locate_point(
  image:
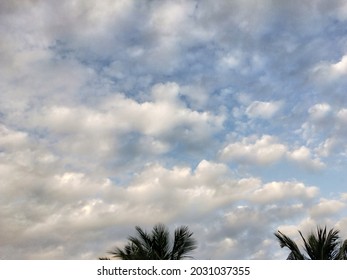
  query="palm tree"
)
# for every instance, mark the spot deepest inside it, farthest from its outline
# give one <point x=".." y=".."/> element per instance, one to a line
<point x="157" y="245"/>
<point x="321" y="246"/>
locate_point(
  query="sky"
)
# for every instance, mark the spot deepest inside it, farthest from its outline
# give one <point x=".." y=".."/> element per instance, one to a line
<point x="229" y="117"/>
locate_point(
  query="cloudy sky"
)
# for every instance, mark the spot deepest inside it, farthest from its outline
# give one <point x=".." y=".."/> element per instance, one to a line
<point x="226" y="116"/>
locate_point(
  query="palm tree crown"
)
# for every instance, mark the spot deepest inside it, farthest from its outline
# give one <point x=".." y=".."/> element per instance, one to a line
<point x="320" y="246"/>
<point x="157" y="245"/>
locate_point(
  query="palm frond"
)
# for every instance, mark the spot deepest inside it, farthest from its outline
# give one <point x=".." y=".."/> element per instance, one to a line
<point x="183" y="243"/>
<point x="342" y="253"/>
<point x="161" y="242"/>
<point x="321" y="245"/>
<point x="285" y="241"/>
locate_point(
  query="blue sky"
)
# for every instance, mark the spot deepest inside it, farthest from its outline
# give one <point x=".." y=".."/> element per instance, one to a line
<point x="226" y="116"/>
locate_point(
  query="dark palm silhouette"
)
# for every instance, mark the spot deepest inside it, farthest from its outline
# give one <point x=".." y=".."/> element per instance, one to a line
<point x="320" y="246"/>
<point x="157" y="245"/>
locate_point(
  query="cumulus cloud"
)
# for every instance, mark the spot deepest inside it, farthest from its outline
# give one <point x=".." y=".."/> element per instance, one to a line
<point x="159" y="123"/>
<point x="303" y="157"/>
<point x="268" y="150"/>
<point x="327" y="208"/>
<point x="265" y="150"/>
<point x="329" y="72"/>
<point x="80" y="206"/>
<point x="277" y="191"/>
<point x="330" y="76"/>
<point x="340" y="68"/>
<point x="319" y="112"/>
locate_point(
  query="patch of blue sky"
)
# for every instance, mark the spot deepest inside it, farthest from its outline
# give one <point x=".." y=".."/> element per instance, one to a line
<point x="330" y="180"/>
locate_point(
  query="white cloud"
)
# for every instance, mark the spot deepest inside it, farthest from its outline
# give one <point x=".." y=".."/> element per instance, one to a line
<point x="279" y="191"/>
<point x="163" y="115"/>
<point x="340" y="68"/>
<point x="211" y="173"/>
<point x="166" y="93"/>
<point x="231" y="60"/>
<point x="327" y="147"/>
<point x="342" y="116"/>
<point x="303" y="157"/>
<point x="319" y="112"/>
<point x="326" y="207"/>
<point x="77" y="206"/>
<point x="79" y="22"/>
<point x="170" y="17"/>
<point x="243" y="216"/>
<point x="177" y="194"/>
<point x="321" y="118"/>
<point x="328" y="72"/>
<point x="251" y="150"/>
<point x="164" y="120"/>
<point x="268" y="150"/>
<point x="201" y="190"/>
<point x="263" y="110"/>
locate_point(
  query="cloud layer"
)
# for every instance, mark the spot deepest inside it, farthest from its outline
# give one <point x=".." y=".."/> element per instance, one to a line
<point x="227" y="116"/>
